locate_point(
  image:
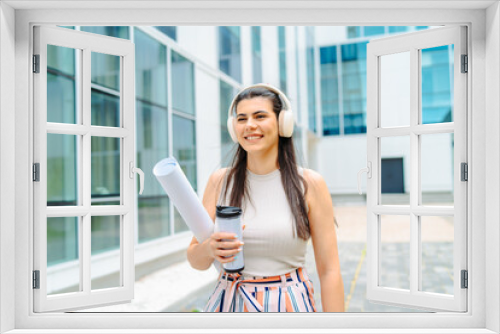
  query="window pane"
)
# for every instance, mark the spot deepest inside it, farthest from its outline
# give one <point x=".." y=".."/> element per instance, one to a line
<point x="185" y="153"/>
<point x="105" y="109"/>
<point x="371" y="30"/>
<point x="311" y="79"/>
<point x="105" y="252"/>
<point x="353" y="32"/>
<point x="437" y="235"/>
<point x="151" y="69"/>
<point x="227" y="92"/>
<point x="230" y="52"/>
<point x="183" y="89"/>
<point x="282" y="56"/>
<point x="354" y="87"/>
<point x="152" y="146"/>
<point x="329" y="91"/>
<point x="437" y="84"/>
<point x="170" y="31"/>
<point x="395" y="170"/>
<point x="105" y="169"/>
<point x="106" y="70"/>
<point x="393" y="29"/>
<point x="120" y="32"/>
<point x="61" y="170"/>
<point x="154" y="213"/>
<point x="437" y="169"/>
<point x="395" y="90"/>
<point x="257" y="55"/>
<point x="395" y="251"/>
<point x="62" y="249"/>
<point x="61" y="91"/>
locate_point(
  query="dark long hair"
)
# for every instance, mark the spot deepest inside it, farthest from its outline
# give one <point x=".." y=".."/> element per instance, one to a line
<point x="290" y="178"/>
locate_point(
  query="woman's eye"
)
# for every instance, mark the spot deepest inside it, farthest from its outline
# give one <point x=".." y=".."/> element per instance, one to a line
<point x="261" y="116"/>
<point x="240" y="119"/>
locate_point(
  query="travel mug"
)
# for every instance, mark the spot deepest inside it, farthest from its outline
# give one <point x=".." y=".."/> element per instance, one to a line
<point x="228" y="219"/>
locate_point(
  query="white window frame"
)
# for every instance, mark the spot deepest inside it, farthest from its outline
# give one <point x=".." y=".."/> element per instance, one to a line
<point x="412" y="44"/>
<point x="483" y="102"/>
<point x="85" y="43"/>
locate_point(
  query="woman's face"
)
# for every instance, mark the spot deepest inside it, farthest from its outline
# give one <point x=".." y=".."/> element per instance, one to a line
<point x="256" y="125"/>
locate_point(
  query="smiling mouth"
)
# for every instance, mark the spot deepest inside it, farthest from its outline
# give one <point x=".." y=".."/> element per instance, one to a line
<point x="253" y="137"/>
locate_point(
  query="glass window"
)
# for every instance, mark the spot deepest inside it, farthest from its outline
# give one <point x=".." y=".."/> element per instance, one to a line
<point x="185" y="153"/>
<point x="152" y="146"/>
<point x="256" y="54"/>
<point x="393" y="29"/>
<point x="437" y="84"/>
<point x="150" y="69"/>
<point x="354" y="87"/>
<point x="311" y="79"/>
<point x="230" y="52"/>
<point x="373" y="30"/>
<point x="183" y="89"/>
<point x="329" y="90"/>
<point x="226" y="94"/>
<point x="61" y="89"/>
<point x="282" y="57"/>
<point x="170" y="31"/>
<point x="353" y="32"/>
<point x="120" y="32"/>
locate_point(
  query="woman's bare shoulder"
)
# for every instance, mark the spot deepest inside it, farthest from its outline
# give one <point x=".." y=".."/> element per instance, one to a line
<point x="312" y="176"/>
<point x="217" y="177"/>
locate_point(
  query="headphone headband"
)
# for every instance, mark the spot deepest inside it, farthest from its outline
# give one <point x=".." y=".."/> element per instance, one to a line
<point x="286" y="105"/>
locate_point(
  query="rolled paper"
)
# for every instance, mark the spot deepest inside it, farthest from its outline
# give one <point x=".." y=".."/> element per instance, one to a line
<point x="179" y="190"/>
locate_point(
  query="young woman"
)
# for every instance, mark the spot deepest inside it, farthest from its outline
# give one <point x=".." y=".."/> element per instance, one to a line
<point x="283" y="206"/>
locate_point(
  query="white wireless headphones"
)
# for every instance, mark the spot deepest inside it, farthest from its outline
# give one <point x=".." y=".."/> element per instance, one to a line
<point x="285" y="121"/>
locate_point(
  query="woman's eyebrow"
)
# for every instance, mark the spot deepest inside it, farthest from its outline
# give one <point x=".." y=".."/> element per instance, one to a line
<point x="255" y="112"/>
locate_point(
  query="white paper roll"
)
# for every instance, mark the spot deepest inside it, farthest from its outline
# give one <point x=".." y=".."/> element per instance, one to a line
<point x="179" y="190"/>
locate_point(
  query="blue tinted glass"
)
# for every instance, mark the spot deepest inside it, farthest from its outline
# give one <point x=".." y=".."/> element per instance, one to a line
<point x="372" y="31"/>
<point x="105" y="233"/>
<point x="150" y="69"/>
<point x="311" y="78"/>
<point x="61" y="107"/>
<point x="437" y="84"/>
<point x="229" y="52"/>
<point x="185" y="147"/>
<point x="170" y="31"/>
<point x="61" y="60"/>
<point x="353" y="32"/>
<point x="61" y="170"/>
<point x="62" y="240"/>
<point x="329" y="91"/>
<point x="421" y="27"/>
<point x="282" y="57"/>
<point x="227" y="92"/>
<point x="354" y="87"/>
<point x="256" y="55"/>
<point x="105" y="109"/>
<point x="328" y="55"/>
<point x="185" y="153"/>
<point x="183" y="90"/>
<point x="120" y="32"/>
<point x="152" y="146"/>
<point x="397" y="29"/>
<point x="105" y="70"/>
<point x="105" y="168"/>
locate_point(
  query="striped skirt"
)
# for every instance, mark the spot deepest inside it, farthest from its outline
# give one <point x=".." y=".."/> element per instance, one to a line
<point x="292" y="292"/>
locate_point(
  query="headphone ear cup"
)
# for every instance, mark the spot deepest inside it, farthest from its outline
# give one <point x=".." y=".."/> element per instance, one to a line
<point x="286" y="123"/>
<point x="230" y="128"/>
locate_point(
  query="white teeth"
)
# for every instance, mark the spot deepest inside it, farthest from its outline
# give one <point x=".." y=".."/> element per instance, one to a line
<point x="253" y="137"/>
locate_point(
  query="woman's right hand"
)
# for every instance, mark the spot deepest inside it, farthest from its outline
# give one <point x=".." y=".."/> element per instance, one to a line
<point x="223" y="246"/>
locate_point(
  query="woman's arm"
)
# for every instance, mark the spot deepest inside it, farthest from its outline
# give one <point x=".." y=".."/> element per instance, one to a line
<point x="324" y="239"/>
<point x="201" y="256"/>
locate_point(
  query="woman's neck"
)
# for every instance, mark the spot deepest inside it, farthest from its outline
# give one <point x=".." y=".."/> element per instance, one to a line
<point x="262" y="162"/>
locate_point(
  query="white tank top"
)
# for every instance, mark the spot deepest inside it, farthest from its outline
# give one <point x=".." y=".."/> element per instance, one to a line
<point x="270" y="246"/>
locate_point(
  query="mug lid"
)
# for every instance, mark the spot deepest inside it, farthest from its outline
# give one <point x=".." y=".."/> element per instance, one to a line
<point x="228" y="211"/>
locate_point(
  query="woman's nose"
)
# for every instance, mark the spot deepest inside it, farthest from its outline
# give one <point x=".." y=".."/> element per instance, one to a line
<point x="250" y="124"/>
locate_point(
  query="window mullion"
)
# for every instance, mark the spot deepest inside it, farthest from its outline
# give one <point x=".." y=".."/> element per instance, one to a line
<point x="415" y="258"/>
